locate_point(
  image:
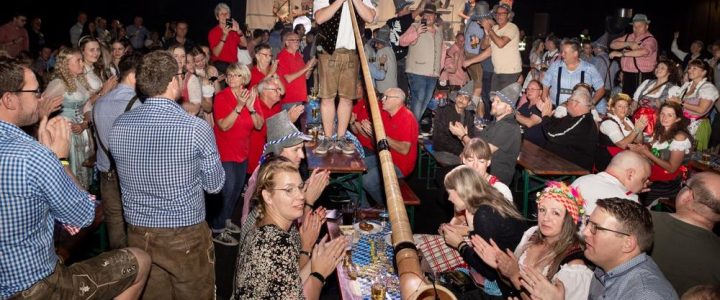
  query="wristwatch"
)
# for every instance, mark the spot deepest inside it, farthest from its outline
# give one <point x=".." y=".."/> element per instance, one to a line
<point x="252" y="112"/>
<point x="237" y="110"/>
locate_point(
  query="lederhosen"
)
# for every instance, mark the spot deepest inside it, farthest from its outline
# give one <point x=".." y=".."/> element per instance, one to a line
<point x="632" y="80"/>
<point x="559" y="86"/>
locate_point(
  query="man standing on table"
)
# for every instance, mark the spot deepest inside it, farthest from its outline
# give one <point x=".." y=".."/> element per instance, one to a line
<point x="503" y="135"/>
<point x="165" y="160"/>
<point x="339" y="65"/>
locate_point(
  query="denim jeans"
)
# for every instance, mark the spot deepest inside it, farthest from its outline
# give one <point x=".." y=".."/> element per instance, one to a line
<point x="234" y="181"/>
<point x="421" y="91"/>
<point x="183" y="261"/>
<point x="372" y="182"/>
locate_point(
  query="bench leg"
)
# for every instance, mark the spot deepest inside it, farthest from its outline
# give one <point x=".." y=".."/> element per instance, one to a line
<point x="526" y="191"/>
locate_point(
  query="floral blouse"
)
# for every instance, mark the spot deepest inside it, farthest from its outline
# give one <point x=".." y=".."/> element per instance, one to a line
<point x="270" y="267"/>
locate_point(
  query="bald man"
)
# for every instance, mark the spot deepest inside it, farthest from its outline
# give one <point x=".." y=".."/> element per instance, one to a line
<point x="686" y="249"/>
<point x="625" y="176"/>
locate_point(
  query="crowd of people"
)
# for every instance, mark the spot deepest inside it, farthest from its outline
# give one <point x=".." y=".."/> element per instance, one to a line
<point x="189" y="144"/>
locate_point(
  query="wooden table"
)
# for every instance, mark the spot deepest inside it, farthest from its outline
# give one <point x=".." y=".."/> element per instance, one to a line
<point x="541" y="165"/>
<point x="346" y="170"/>
<point x="702" y="167"/>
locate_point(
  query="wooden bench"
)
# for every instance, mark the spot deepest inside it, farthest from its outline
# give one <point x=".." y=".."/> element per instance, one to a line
<point x="410" y="199"/>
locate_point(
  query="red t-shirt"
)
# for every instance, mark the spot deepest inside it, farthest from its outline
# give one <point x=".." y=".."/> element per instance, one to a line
<point x="232" y="144"/>
<point x="258" y="137"/>
<point x="255" y="77"/>
<point x="296" y="90"/>
<point x="229" y="52"/>
<point x="402" y="127"/>
<point x="362" y="111"/>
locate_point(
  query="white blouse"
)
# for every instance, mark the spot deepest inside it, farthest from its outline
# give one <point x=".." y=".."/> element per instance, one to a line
<point x="575" y="278"/>
<point x="675" y="145"/>
<point x="615" y="132"/>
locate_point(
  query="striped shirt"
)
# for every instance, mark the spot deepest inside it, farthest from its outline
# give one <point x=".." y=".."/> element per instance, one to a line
<point x="165" y="159"/>
<point x="34" y="192"/>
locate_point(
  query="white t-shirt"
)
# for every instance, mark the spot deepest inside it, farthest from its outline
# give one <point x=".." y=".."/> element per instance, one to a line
<point x="600" y="186"/>
<point x="194" y="90"/>
<point x="613" y="131"/>
<point x="506" y="60"/>
<point x="345" y="37"/>
<point x="575" y="278"/>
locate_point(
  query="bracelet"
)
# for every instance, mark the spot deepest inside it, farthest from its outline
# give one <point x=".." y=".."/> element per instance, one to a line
<point x="237" y="110"/>
<point x="308" y="254"/>
<point x="319" y="277"/>
<point x="462" y="138"/>
<point x="64" y="162"/>
<point x="462" y="246"/>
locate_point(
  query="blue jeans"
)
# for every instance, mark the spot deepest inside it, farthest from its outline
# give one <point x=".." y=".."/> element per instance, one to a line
<point x="421" y="91"/>
<point x="234" y="180"/>
<point x="371" y="181"/>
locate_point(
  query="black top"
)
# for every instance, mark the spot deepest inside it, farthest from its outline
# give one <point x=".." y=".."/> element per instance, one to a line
<point x="398" y="26"/>
<point x="506" y="232"/>
<point x="572" y="138"/>
<point x="505" y="135"/>
<point x="535" y="133"/>
<point x="442" y="138"/>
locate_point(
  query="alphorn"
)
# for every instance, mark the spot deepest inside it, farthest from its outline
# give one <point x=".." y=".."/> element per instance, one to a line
<point x="413" y="284"/>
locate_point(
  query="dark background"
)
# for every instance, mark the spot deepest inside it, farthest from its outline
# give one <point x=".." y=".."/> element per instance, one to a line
<point x="695" y="19"/>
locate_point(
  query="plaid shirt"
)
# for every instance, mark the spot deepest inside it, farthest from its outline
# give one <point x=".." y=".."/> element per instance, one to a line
<point x="165" y="159"/>
<point x="34" y="191"/>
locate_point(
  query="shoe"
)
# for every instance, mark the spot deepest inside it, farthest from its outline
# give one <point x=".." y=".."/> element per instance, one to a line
<point x="231" y="227"/>
<point x="226" y="239"/>
<point x="324" y="146"/>
<point x="345" y="146"/>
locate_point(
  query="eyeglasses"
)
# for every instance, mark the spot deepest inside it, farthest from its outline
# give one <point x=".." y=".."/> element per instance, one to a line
<point x="594" y="227"/>
<point x="292" y="190"/>
<point x="388" y="97"/>
<point x="37" y="92"/>
<point x="181" y="74"/>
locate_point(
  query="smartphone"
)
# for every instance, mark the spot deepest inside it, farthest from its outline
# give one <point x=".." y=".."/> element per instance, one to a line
<point x="212" y="79"/>
<point x="423" y="22"/>
<point x="228" y="23"/>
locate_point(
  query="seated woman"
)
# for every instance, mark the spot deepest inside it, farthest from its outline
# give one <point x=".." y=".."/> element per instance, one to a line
<point x="284" y="140"/>
<point x="270" y="268"/>
<point x="446" y="146"/>
<point x="617" y="131"/>
<point x="654" y="92"/>
<point x="529" y="116"/>
<point x="553" y="247"/>
<point x="484" y="210"/>
<point x="477" y="155"/>
<point x="669" y="145"/>
<point x="697" y="97"/>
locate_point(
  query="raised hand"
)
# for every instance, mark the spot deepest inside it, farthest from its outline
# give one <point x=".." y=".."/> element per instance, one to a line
<point x="539" y="287"/>
<point x="310" y="229"/>
<point x="46" y="106"/>
<point x="55" y="135"/>
<point x="484" y="250"/>
<point x="327" y="255"/>
<point x="316" y="184"/>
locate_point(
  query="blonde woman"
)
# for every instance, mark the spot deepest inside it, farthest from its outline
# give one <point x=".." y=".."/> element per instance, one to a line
<point x="70" y="82"/>
<point x="270" y="257"/>
<point x="482" y="209"/>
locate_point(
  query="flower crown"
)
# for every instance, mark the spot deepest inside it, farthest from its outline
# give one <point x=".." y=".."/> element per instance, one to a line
<point x="569" y="197"/>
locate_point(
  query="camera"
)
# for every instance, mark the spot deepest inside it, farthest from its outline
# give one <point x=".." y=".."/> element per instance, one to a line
<point x="228" y="23"/>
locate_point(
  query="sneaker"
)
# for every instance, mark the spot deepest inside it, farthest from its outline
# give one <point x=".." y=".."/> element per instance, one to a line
<point x="226" y="239"/>
<point x="345" y="146"/>
<point x="324" y="146"/>
<point x="231" y="227"/>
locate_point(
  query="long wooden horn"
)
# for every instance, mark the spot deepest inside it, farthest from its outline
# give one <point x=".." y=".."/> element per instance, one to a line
<point x="413" y="284"/>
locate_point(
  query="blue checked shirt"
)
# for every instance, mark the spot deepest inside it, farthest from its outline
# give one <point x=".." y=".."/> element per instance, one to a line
<point x="34" y="192"/>
<point x="165" y="159"/>
<point x="637" y="279"/>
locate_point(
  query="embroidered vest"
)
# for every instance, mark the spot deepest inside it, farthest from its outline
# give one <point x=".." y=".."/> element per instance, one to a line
<point x="328" y="31"/>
